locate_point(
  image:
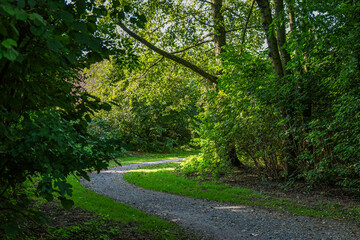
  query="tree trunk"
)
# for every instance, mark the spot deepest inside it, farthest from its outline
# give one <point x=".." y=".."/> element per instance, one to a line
<point x="279" y="63"/>
<point x="270" y="37"/>
<point x="281" y="34"/>
<point x="220" y="42"/>
<point x="219" y="31"/>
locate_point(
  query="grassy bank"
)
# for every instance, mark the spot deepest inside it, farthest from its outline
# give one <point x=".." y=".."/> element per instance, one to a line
<point x="94" y="216"/>
<point x="165" y="178"/>
<point x="144" y="223"/>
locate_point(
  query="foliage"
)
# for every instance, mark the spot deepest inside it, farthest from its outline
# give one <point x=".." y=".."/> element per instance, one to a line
<point x="288" y="108"/>
<point x="43" y="108"/>
<point x="303" y="126"/>
<point x="329" y="136"/>
<point x="147" y="115"/>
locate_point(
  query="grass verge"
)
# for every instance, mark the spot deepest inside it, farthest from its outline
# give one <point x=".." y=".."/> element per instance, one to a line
<point x="165" y="178"/>
<point x="101" y="205"/>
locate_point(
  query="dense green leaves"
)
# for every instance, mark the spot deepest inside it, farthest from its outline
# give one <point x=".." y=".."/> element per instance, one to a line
<point x="149" y="113"/>
<point x="43" y="106"/>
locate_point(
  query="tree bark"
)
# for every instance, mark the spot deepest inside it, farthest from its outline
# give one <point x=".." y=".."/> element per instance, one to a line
<point x="219" y="31"/>
<point x="281" y="33"/>
<point x="270" y="37"/>
<point x="279" y="63"/>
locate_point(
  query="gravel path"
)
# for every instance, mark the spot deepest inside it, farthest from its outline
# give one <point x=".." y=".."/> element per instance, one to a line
<point x="215" y="220"/>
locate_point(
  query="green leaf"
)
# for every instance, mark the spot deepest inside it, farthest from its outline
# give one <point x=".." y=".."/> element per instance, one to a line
<point x="80" y="26"/>
<point x="127" y="8"/>
<point x="9" y="43"/>
<point x="67" y="17"/>
<point x="3" y="30"/>
<point x="21" y="15"/>
<point x="35" y="16"/>
<point x="8" y="9"/>
<point x="141" y="21"/>
<point x="31" y="3"/>
<point x="115" y="4"/>
<point x="121" y="15"/>
<point x="11" y="54"/>
<point x="81" y="6"/>
<point x="106" y="106"/>
<point x="91" y="27"/>
<point x="11" y="229"/>
<point x="94" y="57"/>
<point x="54" y="45"/>
<point x="21" y="3"/>
<point x="37" y="31"/>
<point x="67" y="203"/>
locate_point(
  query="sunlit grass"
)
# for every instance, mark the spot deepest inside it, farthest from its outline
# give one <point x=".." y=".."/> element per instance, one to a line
<point x="165" y="178"/>
<point x="150" y="157"/>
<point x="98" y="204"/>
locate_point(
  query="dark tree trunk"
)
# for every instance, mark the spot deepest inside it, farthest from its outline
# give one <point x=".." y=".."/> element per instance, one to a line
<point x="279" y="61"/>
<point x="231" y="154"/>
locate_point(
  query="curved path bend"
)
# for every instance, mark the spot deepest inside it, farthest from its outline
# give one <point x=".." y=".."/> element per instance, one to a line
<point x="216" y="220"/>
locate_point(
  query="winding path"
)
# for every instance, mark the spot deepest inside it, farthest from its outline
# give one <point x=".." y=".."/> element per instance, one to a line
<point x="215" y="220"/>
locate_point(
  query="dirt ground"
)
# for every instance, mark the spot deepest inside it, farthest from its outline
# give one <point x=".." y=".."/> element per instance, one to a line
<point x="298" y="191"/>
<point x="79" y="224"/>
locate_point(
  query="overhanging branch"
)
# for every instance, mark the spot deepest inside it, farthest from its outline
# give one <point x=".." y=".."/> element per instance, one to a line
<point x="198" y="70"/>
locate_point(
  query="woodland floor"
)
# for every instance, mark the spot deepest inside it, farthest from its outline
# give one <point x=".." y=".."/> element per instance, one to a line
<point x="298" y="192"/>
<point x="69" y="224"/>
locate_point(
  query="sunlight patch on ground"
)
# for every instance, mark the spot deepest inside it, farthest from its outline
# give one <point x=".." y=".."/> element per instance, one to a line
<point x="153" y="170"/>
<point x="233" y="208"/>
<point x="114" y="171"/>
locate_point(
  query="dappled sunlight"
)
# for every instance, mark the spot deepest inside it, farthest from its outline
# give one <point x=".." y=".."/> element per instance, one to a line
<point x="176" y="220"/>
<point x="153" y="170"/>
<point x="137" y="170"/>
<point x="233" y="208"/>
<point x="114" y="171"/>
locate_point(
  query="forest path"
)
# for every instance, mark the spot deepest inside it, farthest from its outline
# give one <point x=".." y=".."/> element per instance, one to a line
<point x="216" y="220"/>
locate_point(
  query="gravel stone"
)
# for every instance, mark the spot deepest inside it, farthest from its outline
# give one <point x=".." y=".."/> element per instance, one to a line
<point x="217" y="220"/>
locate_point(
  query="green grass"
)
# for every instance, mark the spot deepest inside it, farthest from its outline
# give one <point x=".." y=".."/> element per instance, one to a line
<point x="150" y="157"/>
<point x="164" y="178"/>
<point x="98" y="204"/>
<point x="108" y="208"/>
